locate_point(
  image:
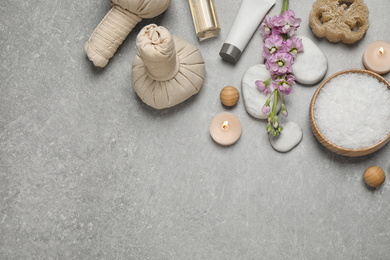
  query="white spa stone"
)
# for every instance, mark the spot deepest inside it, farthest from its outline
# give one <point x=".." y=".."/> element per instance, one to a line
<point x="311" y="65"/>
<point x="253" y="98"/>
<point x="290" y="137"/>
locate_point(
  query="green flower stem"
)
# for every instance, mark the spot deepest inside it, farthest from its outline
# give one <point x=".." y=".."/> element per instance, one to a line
<point x="284" y="6"/>
<point x="269" y="97"/>
<point x="267" y="81"/>
<point x="273" y="127"/>
<point x="281" y="99"/>
<point x="276" y="95"/>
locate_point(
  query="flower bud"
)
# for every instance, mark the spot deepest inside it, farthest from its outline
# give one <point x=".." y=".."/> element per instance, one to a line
<point x="265" y="109"/>
<point x="260" y="85"/>
<point x="269" y="127"/>
<point x="284" y="110"/>
<point x="285" y="113"/>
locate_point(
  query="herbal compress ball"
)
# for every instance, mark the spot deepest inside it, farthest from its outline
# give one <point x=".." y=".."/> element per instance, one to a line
<point x="117" y="24"/>
<point x="167" y="69"/>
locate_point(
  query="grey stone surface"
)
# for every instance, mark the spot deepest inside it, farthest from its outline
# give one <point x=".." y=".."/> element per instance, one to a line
<point x="88" y="171"/>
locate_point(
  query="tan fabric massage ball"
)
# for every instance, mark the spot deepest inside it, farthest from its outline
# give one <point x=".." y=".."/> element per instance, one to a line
<point x="167" y="70"/>
<point x="117" y="24"/>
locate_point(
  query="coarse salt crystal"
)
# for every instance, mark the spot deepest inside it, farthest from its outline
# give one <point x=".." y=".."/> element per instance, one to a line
<point x="353" y="111"/>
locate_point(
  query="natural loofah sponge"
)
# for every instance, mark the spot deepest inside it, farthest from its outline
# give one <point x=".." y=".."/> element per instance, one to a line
<point x="167" y="70"/>
<point x="117" y="24"/>
<point x="339" y="20"/>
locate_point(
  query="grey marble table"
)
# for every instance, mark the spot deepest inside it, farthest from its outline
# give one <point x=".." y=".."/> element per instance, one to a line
<point x="88" y="171"/>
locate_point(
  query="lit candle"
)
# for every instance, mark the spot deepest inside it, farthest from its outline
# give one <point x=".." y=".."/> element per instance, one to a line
<point x="376" y="57"/>
<point x="225" y="128"/>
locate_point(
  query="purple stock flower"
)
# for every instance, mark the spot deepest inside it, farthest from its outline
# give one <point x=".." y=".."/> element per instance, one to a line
<point x="263" y="86"/>
<point x="285" y="88"/>
<point x="272" y="45"/>
<point x="284" y="83"/>
<point x="288" y="23"/>
<point x="279" y="50"/>
<point x="267" y="26"/>
<point x="288" y="78"/>
<point x="280" y="63"/>
<point x="274" y="85"/>
<point x="267" y="90"/>
<point x="293" y="46"/>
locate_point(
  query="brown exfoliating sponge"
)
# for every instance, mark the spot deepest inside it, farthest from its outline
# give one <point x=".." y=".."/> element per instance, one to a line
<point x="339" y="20"/>
<point x="117" y="24"/>
<point x="167" y="70"/>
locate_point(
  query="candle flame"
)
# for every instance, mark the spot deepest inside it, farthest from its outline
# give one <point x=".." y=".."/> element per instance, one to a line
<point x="381" y="51"/>
<point x="225" y="125"/>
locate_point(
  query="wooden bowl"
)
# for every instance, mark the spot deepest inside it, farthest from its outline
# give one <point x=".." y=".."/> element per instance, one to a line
<point x="325" y="142"/>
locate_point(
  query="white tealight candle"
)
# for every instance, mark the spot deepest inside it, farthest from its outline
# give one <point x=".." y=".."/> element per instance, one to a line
<point x="225" y="128"/>
<point x="376" y="57"/>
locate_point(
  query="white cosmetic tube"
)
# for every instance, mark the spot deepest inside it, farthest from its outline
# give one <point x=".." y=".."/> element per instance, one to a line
<point x="247" y="20"/>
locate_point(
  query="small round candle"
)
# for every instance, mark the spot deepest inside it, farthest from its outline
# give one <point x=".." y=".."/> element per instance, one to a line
<point x="225" y="128"/>
<point x="376" y="57"/>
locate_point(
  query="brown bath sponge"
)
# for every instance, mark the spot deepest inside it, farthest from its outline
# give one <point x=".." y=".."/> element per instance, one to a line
<point x="339" y="20"/>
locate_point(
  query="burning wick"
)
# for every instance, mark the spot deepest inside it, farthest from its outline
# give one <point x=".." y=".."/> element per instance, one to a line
<point x="225" y="128"/>
<point x="376" y="57"/>
<point x="225" y="125"/>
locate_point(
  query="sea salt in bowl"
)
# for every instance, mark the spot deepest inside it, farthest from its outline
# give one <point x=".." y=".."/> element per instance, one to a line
<point x="350" y="112"/>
